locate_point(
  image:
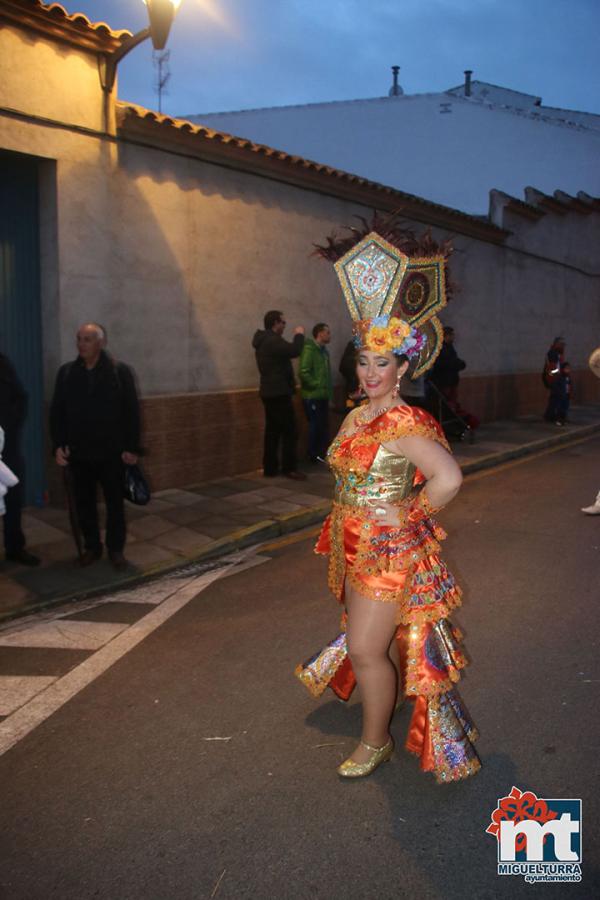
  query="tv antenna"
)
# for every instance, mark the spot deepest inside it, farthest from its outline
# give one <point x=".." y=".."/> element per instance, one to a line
<point x="160" y="61"/>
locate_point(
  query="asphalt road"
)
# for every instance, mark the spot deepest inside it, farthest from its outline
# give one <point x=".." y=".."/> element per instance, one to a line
<point x="119" y="794"/>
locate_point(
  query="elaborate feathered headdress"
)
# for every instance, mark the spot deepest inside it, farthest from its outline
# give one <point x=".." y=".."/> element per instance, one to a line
<point x="394" y="284"/>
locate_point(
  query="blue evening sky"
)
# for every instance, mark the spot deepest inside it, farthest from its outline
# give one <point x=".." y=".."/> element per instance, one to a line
<point x="239" y="54"/>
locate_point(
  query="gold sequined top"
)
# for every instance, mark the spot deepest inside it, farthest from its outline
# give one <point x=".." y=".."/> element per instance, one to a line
<point x="389" y="479"/>
<point x="365" y="470"/>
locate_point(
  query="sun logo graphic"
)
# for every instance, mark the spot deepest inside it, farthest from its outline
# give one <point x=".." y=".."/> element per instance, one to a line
<point x="537" y="838"/>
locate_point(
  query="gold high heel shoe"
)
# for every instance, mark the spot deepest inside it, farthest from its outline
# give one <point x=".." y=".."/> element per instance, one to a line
<point x="351" y="769"/>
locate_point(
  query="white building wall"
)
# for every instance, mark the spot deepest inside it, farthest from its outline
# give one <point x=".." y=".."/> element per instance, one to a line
<point x="49" y="79"/>
<point x="447" y="149"/>
<point x="512" y="303"/>
<point x="180" y="259"/>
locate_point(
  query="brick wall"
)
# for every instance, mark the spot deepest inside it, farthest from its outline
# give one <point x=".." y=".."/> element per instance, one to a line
<point x="190" y="438"/>
<point x="491" y="397"/>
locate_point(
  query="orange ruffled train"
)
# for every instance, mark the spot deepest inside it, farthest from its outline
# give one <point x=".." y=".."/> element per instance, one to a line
<point x="403" y="565"/>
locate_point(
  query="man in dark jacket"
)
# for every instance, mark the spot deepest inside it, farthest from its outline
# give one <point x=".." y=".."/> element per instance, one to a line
<point x="273" y="358"/>
<point x="95" y="427"/>
<point x="347" y="366"/>
<point x="552" y="365"/>
<point x="444" y="373"/>
<point x="13" y="409"/>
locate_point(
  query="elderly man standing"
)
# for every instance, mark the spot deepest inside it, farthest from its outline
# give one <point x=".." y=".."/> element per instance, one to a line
<point x="95" y="428"/>
<point x="274" y="360"/>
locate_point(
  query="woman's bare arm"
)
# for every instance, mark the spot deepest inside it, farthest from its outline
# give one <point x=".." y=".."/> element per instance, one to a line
<point x="443" y="475"/>
<point x="439" y="467"/>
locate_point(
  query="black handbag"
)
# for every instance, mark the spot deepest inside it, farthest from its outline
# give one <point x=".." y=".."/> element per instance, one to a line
<point x="135" y="486"/>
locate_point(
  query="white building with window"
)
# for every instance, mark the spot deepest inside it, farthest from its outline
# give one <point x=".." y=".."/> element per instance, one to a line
<point x="451" y="148"/>
<point x="178" y="237"/>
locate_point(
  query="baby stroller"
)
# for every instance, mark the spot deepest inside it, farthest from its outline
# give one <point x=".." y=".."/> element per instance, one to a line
<point x="449" y="416"/>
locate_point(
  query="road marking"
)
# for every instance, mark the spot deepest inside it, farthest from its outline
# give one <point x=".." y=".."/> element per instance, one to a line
<point x="47" y="701"/>
<point x="249" y="563"/>
<point x="16" y="690"/>
<point x="151" y="593"/>
<point x="65" y="634"/>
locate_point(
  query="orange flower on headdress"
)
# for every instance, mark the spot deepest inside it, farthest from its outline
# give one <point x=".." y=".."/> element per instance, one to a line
<point x="381" y="334"/>
<point x="399" y="330"/>
<point x="379" y="338"/>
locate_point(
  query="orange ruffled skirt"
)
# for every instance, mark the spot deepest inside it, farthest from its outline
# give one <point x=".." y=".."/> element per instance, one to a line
<point x="402" y="565"/>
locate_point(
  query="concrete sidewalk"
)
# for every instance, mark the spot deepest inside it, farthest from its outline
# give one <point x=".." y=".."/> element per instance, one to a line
<point x="210" y="519"/>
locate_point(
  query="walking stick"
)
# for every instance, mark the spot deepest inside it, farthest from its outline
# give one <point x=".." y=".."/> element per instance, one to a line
<point x="72" y="508"/>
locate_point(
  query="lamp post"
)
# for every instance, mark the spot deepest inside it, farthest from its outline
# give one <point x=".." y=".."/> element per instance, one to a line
<point x="160" y="14"/>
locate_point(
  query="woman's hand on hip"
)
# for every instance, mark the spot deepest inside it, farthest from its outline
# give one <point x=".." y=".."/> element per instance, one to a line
<point x="384" y="513"/>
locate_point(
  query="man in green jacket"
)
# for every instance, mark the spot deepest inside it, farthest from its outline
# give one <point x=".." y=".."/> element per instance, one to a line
<point x="316" y="389"/>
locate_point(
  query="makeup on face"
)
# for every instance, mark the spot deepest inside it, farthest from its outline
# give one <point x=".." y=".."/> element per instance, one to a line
<point x="377" y="373"/>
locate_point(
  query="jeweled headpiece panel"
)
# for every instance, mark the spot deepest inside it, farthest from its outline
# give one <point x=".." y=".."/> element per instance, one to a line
<point x="393" y="299"/>
<point x="423" y="291"/>
<point x="433" y="339"/>
<point x="370" y="275"/>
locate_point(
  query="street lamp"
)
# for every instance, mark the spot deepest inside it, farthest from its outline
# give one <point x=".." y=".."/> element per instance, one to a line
<point x="160" y="14"/>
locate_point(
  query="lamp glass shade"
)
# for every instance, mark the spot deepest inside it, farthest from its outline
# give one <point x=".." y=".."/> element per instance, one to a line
<point x="161" y="14"/>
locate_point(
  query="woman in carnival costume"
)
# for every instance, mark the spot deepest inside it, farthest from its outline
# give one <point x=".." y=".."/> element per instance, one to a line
<point x="393" y="471"/>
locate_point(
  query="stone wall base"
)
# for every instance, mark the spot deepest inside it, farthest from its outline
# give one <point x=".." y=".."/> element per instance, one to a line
<point x="492" y="397"/>
<point x="190" y="438"/>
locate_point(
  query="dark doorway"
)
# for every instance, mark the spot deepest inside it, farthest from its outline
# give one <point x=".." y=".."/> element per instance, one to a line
<point x="20" y="310"/>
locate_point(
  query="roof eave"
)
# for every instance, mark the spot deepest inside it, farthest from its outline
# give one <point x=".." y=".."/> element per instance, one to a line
<point x="177" y="135"/>
<point x="518" y="207"/>
<point x="54" y="22"/>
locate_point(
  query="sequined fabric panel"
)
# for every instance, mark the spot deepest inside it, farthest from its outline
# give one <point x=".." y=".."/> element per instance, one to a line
<point x="370" y="275"/>
<point x="317" y="672"/>
<point x="389" y="479"/>
<point x="452" y="734"/>
<point x="433" y="655"/>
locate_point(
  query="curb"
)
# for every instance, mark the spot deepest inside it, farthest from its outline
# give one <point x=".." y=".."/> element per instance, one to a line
<point x="236" y="540"/>
<point x="556" y="440"/>
<point x="281" y="525"/>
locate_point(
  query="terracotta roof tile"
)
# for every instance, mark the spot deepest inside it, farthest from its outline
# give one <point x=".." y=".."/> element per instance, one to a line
<point x="183" y="126"/>
<point x="527" y="210"/>
<point x="129" y="112"/>
<point x="54" y="20"/>
<point x="79" y="19"/>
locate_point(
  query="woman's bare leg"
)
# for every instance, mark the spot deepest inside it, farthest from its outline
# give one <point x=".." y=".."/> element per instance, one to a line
<point x="370" y="631"/>
<point x="394" y="655"/>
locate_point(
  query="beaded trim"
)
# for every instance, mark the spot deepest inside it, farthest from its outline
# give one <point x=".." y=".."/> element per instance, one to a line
<point x="396" y="423"/>
<point x="393" y="424"/>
